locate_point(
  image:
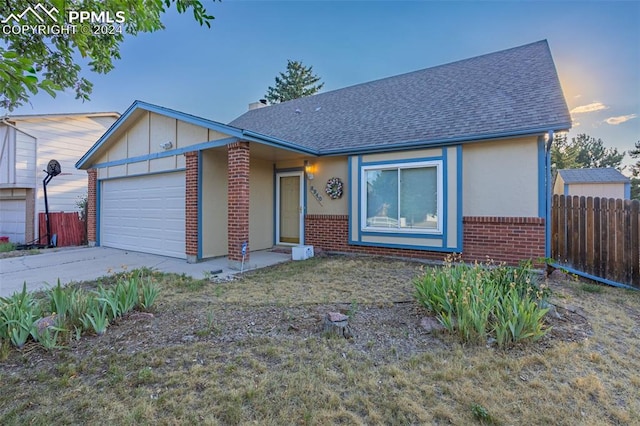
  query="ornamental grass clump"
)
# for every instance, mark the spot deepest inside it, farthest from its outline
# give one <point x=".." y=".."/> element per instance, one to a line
<point x="478" y="301"/>
<point x="17" y="316"/>
<point x="50" y="318"/>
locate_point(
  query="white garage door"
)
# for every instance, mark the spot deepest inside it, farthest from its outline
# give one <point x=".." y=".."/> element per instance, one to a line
<point x="13" y="220"/>
<point x="144" y="214"/>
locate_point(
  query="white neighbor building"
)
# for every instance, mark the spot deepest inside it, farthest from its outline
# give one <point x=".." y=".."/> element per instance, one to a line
<point x="27" y="144"/>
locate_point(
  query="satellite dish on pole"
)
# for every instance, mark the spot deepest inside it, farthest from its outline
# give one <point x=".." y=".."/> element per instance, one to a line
<point x="53" y="168"/>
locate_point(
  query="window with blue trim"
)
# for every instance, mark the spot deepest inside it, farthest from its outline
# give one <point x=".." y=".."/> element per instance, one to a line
<point x="402" y="197"/>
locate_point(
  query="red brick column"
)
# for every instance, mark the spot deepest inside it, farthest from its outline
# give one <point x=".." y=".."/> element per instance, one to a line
<point x="92" y="190"/>
<point x="238" y="200"/>
<point x="191" y="207"/>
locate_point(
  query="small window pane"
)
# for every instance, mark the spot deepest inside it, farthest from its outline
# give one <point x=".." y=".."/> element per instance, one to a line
<point x="419" y="198"/>
<point x="382" y="198"/>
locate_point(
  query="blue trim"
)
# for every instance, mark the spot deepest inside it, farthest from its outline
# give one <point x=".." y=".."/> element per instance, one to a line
<point x="356" y="189"/>
<point x="405" y="246"/>
<point x="542" y="177"/>
<point x="406" y="234"/>
<point x="98" y="208"/>
<point x="360" y="183"/>
<point x="199" y="205"/>
<point x="459" y="195"/>
<point x="198" y="147"/>
<point x="566" y="189"/>
<point x="304" y="206"/>
<point x="409" y="160"/>
<point x="627" y="191"/>
<point x="350" y="187"/>
<point x="275" y="200"/>
<point x="445" y="196"/>
<point x="407" y="145"/>
<point x="592" y="277"/>
<point x="181" y="169"/>
<point x="548" y="195"/>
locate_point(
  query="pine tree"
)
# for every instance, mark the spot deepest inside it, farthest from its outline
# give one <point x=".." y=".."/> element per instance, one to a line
<point x="296" y="82"/>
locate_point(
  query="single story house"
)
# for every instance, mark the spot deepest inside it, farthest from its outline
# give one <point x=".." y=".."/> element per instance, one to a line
<point x="449" y="159"/>
<point x="596" y="182"/>
<point x="27" y="144"/>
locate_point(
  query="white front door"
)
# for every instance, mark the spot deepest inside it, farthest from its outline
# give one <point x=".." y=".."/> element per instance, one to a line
<point x="289" y="208"/>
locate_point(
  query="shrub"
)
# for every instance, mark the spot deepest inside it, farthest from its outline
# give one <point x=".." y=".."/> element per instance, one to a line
<point x="6" y="246"/>
<point x="481" y="301"/>
<point x="149" y="291"/>
<point x="75" y="310"/>
<point x="17" y="316"/>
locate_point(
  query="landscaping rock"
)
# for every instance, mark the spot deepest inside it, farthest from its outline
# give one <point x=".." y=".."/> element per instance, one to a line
<point x="46" y="322"/>
<point x="552" y="309"/>
<point x="337" y="317"/>
<point x="559" y="275"/>
<point x="337" y="324"/>
<point x="431" y="325"/>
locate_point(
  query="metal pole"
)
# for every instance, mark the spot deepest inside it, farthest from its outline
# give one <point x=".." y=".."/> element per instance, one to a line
<point x="45" y="181"/>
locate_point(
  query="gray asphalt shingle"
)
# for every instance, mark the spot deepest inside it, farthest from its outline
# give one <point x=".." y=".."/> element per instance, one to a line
<point x="504" y="93"/>
<point x="601" y="175"/>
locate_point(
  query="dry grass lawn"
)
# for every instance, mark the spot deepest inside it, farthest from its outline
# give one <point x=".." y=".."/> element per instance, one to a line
<point x="250" y="351"/>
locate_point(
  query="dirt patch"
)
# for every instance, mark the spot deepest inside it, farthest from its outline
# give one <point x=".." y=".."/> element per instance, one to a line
<point x="252" y="350"/>
<point x="384" y="331"/>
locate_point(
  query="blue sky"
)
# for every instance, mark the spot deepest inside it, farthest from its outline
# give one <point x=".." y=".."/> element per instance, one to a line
<point x="216" y="72"/>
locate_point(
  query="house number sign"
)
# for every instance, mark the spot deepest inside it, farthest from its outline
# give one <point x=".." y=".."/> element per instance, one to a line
<point x="316" y="194"/>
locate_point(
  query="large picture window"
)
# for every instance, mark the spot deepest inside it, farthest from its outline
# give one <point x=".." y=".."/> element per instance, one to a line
<point x="405" y="197"/>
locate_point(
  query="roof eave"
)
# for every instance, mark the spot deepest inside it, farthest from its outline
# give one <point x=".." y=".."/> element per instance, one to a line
<point x="400" y="146"/>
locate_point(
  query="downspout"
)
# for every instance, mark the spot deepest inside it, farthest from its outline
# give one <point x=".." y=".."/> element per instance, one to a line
<point x="547" y="219"/>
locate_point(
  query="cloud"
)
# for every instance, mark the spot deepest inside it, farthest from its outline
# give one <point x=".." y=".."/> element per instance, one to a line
<point x="592" y="107"/>
<point x="614" y="121"/>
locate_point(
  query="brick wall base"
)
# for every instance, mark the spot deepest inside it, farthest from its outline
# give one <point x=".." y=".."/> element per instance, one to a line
<point x="498" y="238"/>
<point x="503" y="239"/>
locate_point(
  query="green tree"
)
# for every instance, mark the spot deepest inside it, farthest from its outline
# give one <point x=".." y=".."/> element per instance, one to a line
<point x="635" y="153"/>
<point x="49" y="60"/>
<point x="583" y="151"/>
<point x="298" y="81"/>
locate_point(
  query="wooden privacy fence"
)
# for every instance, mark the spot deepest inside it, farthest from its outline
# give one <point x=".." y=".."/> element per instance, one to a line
<point x="68" y="227"/>
<point x="598" y="236"/>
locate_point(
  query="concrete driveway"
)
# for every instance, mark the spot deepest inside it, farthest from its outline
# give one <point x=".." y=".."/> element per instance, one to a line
<point x="88" y="263"/>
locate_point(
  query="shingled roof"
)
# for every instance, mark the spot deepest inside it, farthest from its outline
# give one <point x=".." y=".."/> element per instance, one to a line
<point x="507" y="93"/>
<point x="601" y="175"/>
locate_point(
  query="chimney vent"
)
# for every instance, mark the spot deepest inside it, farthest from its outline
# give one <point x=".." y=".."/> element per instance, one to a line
<point x="260" y="104"/>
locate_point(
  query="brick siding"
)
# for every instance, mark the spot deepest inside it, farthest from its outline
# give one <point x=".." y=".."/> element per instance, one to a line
<point x="504" y="239"/>
<point x="238" y="199"/>
<point x="191" y="205"/>
<point x="92" y="188"/>
<point x="499" y="238"/>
